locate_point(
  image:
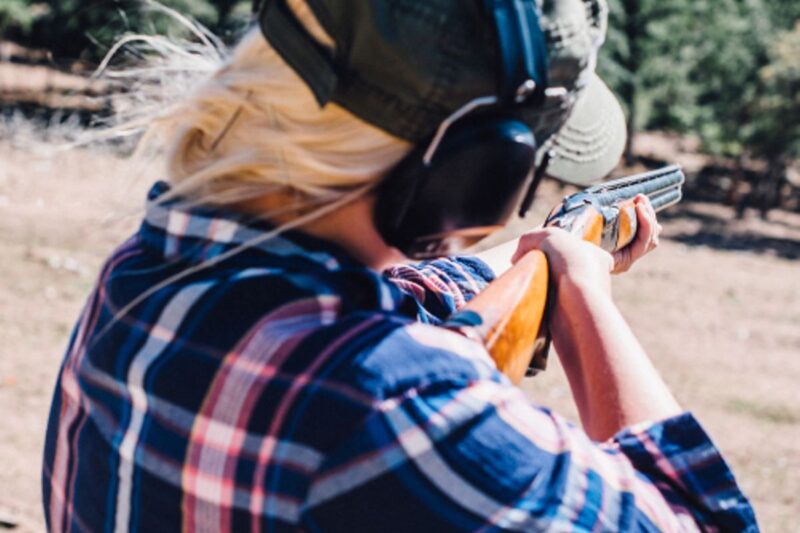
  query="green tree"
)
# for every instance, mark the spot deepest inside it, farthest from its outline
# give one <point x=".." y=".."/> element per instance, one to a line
<point x="784" y="14"/>
<point x="777" y="124"/>
<point x="775" y="132"/>
<point x="688" y="65"/>
<point x="17" y="17"/>
<point x="76" y="29"/>
<point x="80" y="29"/>
<point x="621" y="57"/>
<point x="724" y="70"/>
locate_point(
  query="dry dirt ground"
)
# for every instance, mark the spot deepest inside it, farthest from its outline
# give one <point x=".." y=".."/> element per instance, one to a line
<point x="717" y="306"/>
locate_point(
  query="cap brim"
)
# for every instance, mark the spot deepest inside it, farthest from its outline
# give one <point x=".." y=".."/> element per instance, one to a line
<point x="589" y="145"/>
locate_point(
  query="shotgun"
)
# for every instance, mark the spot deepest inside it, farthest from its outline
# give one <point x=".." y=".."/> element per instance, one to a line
<point x="510" y="315"/>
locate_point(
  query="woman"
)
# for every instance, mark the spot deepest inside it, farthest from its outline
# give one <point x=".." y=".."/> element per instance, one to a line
<point x="257" y="357"/>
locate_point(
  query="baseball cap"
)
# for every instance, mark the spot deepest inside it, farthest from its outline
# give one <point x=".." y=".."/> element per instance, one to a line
<point x="407" y="65"/>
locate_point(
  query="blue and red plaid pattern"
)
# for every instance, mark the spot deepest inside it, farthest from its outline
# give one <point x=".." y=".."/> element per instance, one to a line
<point x="289" y="388"/>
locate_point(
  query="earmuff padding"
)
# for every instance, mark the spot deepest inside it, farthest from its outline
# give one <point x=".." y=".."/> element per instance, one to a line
<point x="476" y="178"/>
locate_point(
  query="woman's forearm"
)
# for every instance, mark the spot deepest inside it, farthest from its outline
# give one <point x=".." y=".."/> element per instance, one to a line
<point x="612" y="379"/>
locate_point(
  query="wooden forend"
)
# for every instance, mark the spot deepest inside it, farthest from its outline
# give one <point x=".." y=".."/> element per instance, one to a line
<point x="512" y="308"/>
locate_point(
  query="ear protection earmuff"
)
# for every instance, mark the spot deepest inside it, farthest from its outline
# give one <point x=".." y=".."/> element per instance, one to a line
<point x="467" y="181"/>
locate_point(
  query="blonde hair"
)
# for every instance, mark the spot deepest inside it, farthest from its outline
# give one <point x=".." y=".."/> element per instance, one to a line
<point x="249" y="126"/>
<point x="237" y="126"/>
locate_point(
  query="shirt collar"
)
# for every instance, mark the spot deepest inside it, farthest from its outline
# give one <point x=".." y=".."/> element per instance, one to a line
<point x="200" y="233"/>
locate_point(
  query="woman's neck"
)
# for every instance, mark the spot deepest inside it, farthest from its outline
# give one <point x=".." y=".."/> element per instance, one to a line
<point x="351" y="227"/>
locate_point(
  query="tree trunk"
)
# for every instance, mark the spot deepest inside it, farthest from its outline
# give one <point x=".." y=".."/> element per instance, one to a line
<point x="630" y="156"/>
<point x="769" y="190"/>
<point x="632" y="35"/>
<point x="734" y="197"/>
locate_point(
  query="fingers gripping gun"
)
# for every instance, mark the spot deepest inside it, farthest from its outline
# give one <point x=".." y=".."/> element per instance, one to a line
<point x="605" y="214"/>
<point x="510" y="315"/>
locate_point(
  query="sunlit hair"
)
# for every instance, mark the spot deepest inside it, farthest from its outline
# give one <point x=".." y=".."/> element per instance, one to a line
<point x="234" y="125"/>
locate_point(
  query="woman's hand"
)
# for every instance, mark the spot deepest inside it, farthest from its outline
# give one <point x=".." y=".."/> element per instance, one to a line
<point x="646" y="240"/>
<point x="572" y="261"/>
<point x="582" y="263"/>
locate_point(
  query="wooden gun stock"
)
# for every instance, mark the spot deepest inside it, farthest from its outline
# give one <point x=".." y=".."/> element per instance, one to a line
<point x="514" y="308"/>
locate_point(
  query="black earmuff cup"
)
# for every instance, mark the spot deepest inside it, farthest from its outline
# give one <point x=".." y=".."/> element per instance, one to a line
<point x="475" y="180"/>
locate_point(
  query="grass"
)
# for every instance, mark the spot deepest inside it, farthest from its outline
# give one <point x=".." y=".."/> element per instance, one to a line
<point x="775" y="413"/>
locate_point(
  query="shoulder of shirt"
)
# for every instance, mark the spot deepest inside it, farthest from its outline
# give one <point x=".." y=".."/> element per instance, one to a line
<point x="463" y="269"/>
<point x="386" y="356"/>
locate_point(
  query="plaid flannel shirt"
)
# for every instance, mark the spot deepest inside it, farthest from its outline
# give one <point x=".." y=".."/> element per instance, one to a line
<point x="289" y="388"/>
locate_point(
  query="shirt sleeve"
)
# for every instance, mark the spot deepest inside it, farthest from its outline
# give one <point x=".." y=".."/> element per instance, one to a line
<point x="471" y="456"/>
<point x="442" y="286"/>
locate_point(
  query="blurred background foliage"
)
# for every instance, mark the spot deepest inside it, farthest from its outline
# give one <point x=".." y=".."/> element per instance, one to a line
<point x="726" y="72"/>
<point x="84" y="30"/>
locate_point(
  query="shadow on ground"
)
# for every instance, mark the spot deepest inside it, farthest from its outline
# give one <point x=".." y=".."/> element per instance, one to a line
<point x="696" y="224"/>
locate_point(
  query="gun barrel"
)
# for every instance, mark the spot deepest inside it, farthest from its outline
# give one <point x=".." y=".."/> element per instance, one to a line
<point x="666" y="199"/>
<point x="652" y="184"/>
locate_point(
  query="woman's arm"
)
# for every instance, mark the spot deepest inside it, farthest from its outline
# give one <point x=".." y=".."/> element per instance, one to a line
<point x="613" y="381"/>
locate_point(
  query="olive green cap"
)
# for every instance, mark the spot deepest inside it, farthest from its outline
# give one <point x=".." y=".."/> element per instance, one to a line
<point x="406" y="65"/>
